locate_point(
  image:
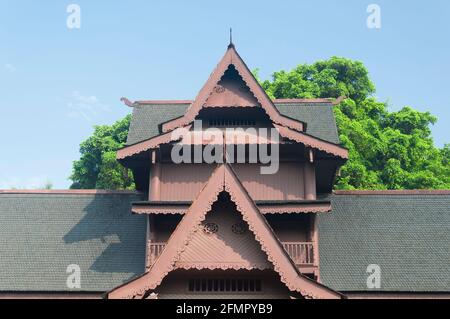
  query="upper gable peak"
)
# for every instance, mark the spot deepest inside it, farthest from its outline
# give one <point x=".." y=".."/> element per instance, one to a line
<point x="252" y="94"/>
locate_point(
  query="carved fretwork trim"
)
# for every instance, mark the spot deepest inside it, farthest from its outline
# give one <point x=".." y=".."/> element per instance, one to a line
<point x="288" y="208"/>
<point x="231" y="57"/>
<point x="311" y="141"/>
<point x="151" y="143"/>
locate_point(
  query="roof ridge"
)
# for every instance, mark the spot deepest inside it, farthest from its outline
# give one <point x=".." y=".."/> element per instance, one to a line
<point x="159" y="102"/>
<point x="394" y="192"/>
<point x="296" y="100"/>
<point x="66" y="191"/>
<point x="277" y="101"/>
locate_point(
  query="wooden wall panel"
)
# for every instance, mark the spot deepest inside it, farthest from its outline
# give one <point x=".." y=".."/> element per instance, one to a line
<point x="183" y="182"/>
<point x="224" y="249"/>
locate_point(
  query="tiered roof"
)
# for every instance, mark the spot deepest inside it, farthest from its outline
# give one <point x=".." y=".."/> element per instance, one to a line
<point x="242" y="91"/>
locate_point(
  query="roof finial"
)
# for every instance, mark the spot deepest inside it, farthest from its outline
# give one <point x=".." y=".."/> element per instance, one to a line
<point x="231" y="45"/>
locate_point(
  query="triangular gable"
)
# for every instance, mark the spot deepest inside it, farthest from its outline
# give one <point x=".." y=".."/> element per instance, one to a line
<point x="270" y="244"/>
<point x="223" y="241"/>
<point x="287" y="127"/>
<point x="231" y="91"/>
<point x="223" y="179"/>
<point x="231" y="57"/>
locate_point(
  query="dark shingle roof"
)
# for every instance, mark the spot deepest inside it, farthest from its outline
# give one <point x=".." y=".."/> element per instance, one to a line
<point x="408" y="236"/>
<point x="42" y="234"/>
<point x="319" y="119"/>
<point x="146" y="118"/>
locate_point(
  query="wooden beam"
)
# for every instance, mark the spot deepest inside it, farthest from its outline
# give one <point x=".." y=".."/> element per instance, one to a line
<point x="315" y="240"/>
<point x="155" y="178"/>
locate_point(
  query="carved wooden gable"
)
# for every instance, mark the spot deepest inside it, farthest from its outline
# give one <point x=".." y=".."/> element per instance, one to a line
<point x="223" y="241"/>
<point x="223" y="180"/>
<point x="231" y="91"/>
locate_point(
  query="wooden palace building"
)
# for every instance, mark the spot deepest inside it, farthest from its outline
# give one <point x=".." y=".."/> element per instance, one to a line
<point x="233" y="200"/>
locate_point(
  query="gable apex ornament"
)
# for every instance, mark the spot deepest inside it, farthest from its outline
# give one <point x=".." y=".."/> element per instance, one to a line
<point x="231" y="45"/>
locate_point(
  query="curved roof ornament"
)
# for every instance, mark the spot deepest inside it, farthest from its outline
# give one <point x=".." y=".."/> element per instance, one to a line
<point x="127" y="102"/>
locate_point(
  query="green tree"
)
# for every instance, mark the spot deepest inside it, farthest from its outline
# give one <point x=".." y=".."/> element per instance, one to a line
<point x="331" y="78"/>
<point x="97" y="166"/>
<point x="387" y="150"/>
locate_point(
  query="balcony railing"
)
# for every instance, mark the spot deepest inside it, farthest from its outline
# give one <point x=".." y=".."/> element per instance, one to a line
<point x="154" y="251"/>
<point x="302" y="253"/>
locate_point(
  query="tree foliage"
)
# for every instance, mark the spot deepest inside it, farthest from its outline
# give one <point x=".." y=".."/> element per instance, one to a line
<point x="97" y="166"/>
<point x="387" y="150"/>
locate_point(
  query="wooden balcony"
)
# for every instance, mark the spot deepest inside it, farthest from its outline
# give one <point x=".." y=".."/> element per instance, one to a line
<point x="155" y="249"/>
<point x="302" y="253"/>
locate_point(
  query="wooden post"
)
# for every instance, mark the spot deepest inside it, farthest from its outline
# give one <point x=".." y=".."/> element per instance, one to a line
<point x="147" y="245"/>
<point x="315" y="240"/>
<point x="155" y="178"/>
<point x="151" y="229"/>
<point x="309" y="176"/>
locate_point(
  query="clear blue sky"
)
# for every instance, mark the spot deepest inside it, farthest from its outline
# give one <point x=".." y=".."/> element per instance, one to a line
<point x="56" y="83"/>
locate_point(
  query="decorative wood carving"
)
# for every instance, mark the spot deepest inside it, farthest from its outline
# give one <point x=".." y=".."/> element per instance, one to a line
<point x="239" y="228"/>
<point x="210" y="228"/>
<point x="224" y="179"/>
<point x="231" y="57"/>
<point x="312" y="142"/>
<point x="281" y="208"/>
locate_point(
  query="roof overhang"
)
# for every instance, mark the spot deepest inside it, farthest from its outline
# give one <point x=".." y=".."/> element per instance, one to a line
<point x="185" y="136"/>
<point x="313" y="142"/>
<point x="265" y="207"/>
